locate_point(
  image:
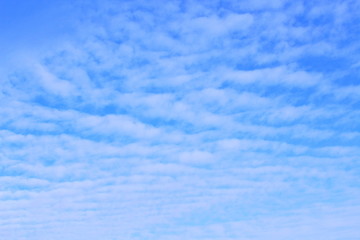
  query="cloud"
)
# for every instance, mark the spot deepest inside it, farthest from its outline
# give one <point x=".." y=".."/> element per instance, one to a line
<point x="274" y="76"/>
<point x="196" y="157"/>
<point x="216" y="26"/>
<point x="182" y="120"/>
<point x="52" y="84"/>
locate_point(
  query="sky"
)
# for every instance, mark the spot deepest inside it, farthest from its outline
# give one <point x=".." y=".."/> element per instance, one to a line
<point x="169" y="120"/>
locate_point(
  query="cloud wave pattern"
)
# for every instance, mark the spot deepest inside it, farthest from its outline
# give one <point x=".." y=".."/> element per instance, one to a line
<point x="180" y="120"/>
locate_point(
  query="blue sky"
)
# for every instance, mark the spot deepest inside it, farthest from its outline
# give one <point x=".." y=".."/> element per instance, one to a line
<point x="176" y="120"/>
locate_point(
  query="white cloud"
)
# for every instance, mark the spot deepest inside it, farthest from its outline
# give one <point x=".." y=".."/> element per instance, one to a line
<point x="274" y="76"/>
<point x="52" y="84"/>
<point x="185" y="120"/>
<point x="196" y="157"/>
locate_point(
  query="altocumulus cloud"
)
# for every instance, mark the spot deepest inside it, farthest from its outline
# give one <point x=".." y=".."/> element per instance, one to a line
<point x="180" y="120"/>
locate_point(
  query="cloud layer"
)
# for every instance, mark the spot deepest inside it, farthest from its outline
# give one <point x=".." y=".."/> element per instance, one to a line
<point x="181" y="120"/>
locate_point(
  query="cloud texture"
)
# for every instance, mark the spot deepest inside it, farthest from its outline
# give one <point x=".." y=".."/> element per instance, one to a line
<point x="180" y="120"/>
